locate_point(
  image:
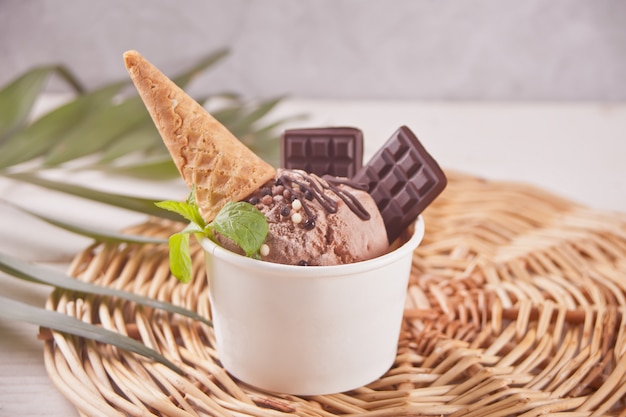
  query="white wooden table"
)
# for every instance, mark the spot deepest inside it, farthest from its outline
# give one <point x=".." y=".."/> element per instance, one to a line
<point x="575" y="150"/>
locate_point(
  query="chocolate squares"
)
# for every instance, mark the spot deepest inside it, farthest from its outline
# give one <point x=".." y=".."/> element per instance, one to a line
<point x="336" y="151"/>
<point x="403" y="179"/>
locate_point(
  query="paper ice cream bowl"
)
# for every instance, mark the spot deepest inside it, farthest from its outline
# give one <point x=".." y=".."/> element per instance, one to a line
<point x="308" y="330"/>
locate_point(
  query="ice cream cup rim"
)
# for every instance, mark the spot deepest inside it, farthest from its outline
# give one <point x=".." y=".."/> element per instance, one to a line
<point x="250" y="263"/>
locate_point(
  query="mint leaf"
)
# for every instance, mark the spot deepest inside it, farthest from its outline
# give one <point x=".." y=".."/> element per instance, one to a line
<point x="186" y="209"/>
<point x="242" y="223"/>
<point x="180" y="256"/>
<point x="180" y="252"/>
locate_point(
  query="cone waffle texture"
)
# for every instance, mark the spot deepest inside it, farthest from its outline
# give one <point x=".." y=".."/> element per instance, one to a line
<point x="516" y="306"/>
<point x="206" y="153"/>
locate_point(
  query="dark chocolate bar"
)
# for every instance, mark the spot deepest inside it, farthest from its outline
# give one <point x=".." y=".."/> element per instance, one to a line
<point x="403" y="179"/>
<point x="336" y="151"/>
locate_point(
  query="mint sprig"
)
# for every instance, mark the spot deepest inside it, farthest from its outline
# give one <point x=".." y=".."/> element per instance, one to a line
<point x="239" y="221"/>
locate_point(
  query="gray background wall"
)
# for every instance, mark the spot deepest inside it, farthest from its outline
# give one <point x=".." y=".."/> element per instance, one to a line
<point x="397" y="49"/>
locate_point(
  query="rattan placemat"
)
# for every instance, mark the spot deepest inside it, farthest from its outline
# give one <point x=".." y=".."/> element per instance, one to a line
<point x="515" y="307"/>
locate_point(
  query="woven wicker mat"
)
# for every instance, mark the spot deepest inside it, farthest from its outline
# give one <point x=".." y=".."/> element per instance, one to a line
<point x="515" y="307"/>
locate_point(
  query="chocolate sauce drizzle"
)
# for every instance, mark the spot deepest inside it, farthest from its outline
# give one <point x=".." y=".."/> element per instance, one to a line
<point x="310" y="186"/>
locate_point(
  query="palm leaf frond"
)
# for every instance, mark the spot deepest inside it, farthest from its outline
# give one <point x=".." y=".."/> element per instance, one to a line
<point x="42" y="275"/>
<point x="137" y="204"/>
<point x="18" y="97"/>
<point x="18" y="311"/>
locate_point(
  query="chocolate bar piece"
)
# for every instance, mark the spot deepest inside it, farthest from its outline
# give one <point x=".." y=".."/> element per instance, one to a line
<point x="403" y="180"/>
<point x="336" y="151"/>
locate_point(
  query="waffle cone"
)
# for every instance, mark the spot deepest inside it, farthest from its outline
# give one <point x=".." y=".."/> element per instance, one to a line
<point x="205" y="152"/>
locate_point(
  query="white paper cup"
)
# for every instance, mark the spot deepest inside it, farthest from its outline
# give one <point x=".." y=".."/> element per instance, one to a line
<point x="308" y="330"/>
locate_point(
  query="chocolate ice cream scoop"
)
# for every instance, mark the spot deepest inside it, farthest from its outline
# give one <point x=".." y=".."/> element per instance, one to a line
<point x="318" y="220"/>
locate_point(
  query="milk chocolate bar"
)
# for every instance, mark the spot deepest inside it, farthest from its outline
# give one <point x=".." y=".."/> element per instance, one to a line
<point x="403" y="179"/>
<point x="336" y="151"/>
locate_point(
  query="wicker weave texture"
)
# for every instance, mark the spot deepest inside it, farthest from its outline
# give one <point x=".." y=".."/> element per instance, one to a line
<point x="515" y="307"/>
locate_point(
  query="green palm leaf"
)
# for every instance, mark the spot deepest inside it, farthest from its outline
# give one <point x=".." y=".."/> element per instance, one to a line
<point x="18" y="311"/>
<point x="42" y="275"/>
<point x="100" y="235"/>
<point x="205" y="63"/>
<point x="42" y="135"/>
<point x="138" y="204"/>
<point x="18" y="97"/>
<point x="249" y="116"/>
<point x="140" y="139"/>
<point x="157" y="167"/>
<point x="96" y="131"/>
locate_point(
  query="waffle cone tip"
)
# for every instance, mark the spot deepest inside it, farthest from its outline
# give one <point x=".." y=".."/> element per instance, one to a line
<point x="131" y="58"/>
